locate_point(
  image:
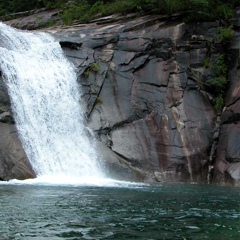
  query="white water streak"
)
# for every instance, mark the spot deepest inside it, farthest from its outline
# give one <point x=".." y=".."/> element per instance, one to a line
<point x="74" y="181"/>
<point x="45" y="101"/>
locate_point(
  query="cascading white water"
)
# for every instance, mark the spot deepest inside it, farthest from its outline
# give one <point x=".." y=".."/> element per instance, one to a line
<point x="45" y="102"/>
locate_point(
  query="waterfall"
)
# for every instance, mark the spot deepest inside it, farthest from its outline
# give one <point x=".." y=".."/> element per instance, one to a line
<point x="45" y="102"/>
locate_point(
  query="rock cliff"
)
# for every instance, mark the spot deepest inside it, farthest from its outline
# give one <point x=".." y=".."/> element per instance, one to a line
<point x="143" y="83"/>
<point x="13" y="160"/>
<point x="227" y="164"/>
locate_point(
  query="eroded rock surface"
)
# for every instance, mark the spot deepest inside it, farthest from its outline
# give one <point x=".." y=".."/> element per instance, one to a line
<point x="143" y="91"/>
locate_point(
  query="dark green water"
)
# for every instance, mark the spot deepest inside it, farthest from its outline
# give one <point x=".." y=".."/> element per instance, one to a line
<point x="173" y="211"/>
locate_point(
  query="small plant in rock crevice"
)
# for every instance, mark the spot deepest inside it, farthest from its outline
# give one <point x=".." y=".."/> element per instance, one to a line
<point x="206" y="63"/>
<point x="86" y="73"/>
<point x="107" y="74"/>
<point x="93" y="67"/>
<point x="98" y="101"/>
<point x="218" y="103"/>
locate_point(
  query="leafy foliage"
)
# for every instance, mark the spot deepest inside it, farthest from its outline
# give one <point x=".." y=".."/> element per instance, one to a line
<point x="194" y="10"/>
<point x="206" y="63"/>
<point x="76" y="12"/>
<point x="53" y="3"/>
<point x="225" y="34"/>
<point x="219" y="82"/>
<point x="220" y="67"/>
<point x="85" y="10"/>
<point x="93" y="67"/>
<point x="218" y="103"/>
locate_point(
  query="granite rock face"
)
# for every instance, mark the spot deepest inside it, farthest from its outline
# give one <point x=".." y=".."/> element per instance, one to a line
<point x="143" y="90"/>
<point x="227" y="166"/>
<point x="13" y="160"/>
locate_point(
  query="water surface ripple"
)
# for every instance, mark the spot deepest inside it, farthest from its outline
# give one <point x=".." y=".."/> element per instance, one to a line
<point x="171" y="211"/>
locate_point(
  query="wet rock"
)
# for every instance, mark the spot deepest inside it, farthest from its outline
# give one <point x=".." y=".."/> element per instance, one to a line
<point x="234" y="170"/>
<point x="5" y="105"/>
<point x="4" y="97"/>
<point x="13" y="160"/>
<point x="115" y="166"/>
<point x="6" y="117"/>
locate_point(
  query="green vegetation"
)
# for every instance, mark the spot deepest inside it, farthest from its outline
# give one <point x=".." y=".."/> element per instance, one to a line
<point x="49" y="24"/>
<point x="86" y="73"/>
<point x="7" y="8"/>
<point x="107" y="74"/>
<point x="194" y="10"/>
<point x="219" y="82"/>
<point x="85" y="10"/>
<point x="218" y="103"/>
<point x="93" y="67"/>
<point x="220" y="70"/>
<point x="98" y="101"/>
<point x="225" y="34"/>
<point x="206" y="63"/>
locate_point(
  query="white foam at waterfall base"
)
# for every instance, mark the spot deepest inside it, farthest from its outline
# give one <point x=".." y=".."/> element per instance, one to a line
<point x="63" y="180"/>
<point x="45" y="98"/>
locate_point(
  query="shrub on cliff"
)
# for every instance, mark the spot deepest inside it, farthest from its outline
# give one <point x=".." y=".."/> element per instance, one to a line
<point x="225" y="34"/>
<point x="219" y="82"/>
<point x="194" y="10"/>
<point x="12" y="6"/>
<point x="84" y="10"/>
